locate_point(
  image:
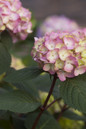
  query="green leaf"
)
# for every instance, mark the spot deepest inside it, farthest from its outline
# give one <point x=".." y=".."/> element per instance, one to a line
<point x="46" y="121"/>
<point x="73" y="116"/>
<point x="23" y="74"/>
<point x="24" y="86"/>
<point x="18" y="101"/>
<point x="43" y="83"/>
<point x="5" y="59"/>
<point x="28" y="61"/>
<point x="73" y="91"/>
<point x="18" y="123"/>
<point x="5" y="124"/>
<point x="2" y="114"/>
<point x="6" y="87"/>
<point x="6" y="39"/>
<point x="5" y="115"/>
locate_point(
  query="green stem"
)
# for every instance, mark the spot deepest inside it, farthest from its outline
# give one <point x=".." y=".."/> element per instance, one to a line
<point x="64" y="108"/>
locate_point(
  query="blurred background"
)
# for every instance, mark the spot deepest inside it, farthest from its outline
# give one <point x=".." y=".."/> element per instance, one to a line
<point x="74" y="9"/>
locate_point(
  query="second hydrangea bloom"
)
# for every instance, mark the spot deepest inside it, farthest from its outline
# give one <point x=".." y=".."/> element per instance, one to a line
<point x="56" y="23"/>
<point x="15" y="18"/>
<point x="62" y="53"/>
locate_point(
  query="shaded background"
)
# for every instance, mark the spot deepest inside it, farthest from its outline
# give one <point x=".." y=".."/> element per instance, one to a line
<point x="75" y="9"/>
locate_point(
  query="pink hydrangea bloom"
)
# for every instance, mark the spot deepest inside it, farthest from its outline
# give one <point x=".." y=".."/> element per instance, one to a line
<point x="63" y="53"/>
<point x="57" y="23"/>
<point x="15" y="19"/>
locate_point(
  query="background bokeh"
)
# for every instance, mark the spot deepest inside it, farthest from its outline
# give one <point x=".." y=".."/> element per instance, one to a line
<point x="75" y="9"/>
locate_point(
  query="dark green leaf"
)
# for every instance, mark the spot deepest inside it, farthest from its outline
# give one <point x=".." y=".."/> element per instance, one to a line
<point x="73" y="116"/>
<point x="28" y="88"/>
<point x="18" y="101"/>
<point x="5" y="59"/>
<point x="6" y="86"/>
<point x="43" y="83"/>
<point x="73" y="91"/>
<point x="2" y="114"/>
<point x="5" y="115"/>
<point x="28" y="61"/>
<point x="23" y="74"/>
<point x="18" y="123"/>
<point x="6" y="39"/>
<point x="5" y="124"/>
<point x="11" y="69"/>
<point x="46" y="122"/>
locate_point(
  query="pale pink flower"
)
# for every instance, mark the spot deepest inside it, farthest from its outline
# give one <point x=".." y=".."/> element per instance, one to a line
<point x="50" y="44"/>
<point x="52" y="56"/>
<point x="62" y="75"/>
<point x="15" y="19"/>
<point x="56" y="23"/>
<point x="69" y="42"/>
<point x="68" y="67"/>
<point x="59" y="64"/>
<point x="46" y="67"/>
<point x="63" y="53"/>
<point x="80" y="70"/>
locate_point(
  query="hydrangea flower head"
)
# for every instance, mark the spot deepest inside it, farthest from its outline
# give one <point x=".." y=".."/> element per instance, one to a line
<point x="63" y="53"/>
<point x="56" y="23"/>
<point x="15" y="19"/>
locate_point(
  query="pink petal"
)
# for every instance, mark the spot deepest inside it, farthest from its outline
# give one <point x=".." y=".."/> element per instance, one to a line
<point x="50" y="45"/>
<point x="52" y="56"/>
<point x="72" y="60"/>
<point x="69" y="42"/>
<point x="68" y="67"/>
<point x="63" y="54"/>
<point x="79" y="70"/>
<point x="46" y="67"/>
<point x="36" y="39"/>
<point x="61" y="75"/>
<point x="53" y="35"/>
<point x="70" y="75"/>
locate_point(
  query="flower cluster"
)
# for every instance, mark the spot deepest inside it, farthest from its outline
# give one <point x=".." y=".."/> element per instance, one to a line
<point x="63" y="53"/>
<point x="15" y="19"/>
<point x="56" y="23"/>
